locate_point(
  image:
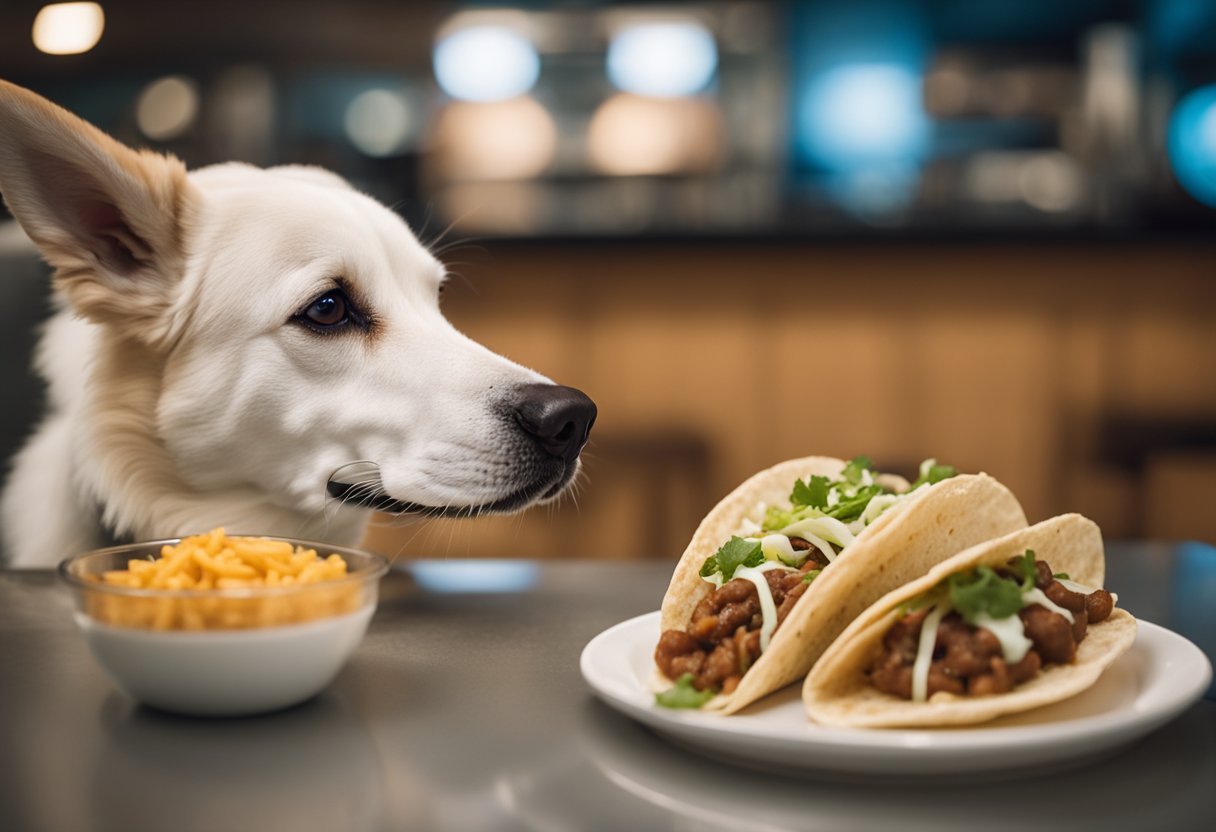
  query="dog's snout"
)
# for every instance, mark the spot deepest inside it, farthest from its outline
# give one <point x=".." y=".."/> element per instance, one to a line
<point x="558" y="417"/>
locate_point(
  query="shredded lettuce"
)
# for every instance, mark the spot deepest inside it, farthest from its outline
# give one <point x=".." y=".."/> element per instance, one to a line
<point x="876" y="507"/>
<point x="844" y="499"/>
<point x="822" y="510"/>
<point x="683" y="695"/>
<point x="776" y="518"/>
<point x="851" y="507"/>
<point x="810" y="575"/>
<point x="931" y="473"/>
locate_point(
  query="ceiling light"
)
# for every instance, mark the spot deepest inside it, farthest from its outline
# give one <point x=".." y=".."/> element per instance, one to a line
<point x="486" y="63"/>
<point x="662" y="59"/>
<point x="68" y="28"/>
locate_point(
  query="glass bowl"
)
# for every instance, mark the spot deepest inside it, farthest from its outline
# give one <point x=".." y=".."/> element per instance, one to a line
<point x="222" y="652"/>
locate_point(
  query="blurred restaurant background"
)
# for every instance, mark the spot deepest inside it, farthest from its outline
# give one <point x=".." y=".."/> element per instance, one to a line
<point x="977" y="231"/>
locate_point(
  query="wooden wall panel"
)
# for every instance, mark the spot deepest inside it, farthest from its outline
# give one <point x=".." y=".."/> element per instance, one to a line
<point x="1164" y="363"/>
<point x="838" y="382"/>
<point x="985" y="399"/>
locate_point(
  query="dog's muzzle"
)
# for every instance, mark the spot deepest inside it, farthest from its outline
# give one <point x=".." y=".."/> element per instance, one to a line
<point x="555" y="420"/>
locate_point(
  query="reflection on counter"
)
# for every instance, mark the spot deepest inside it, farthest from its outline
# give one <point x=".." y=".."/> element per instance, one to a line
<point x="473" y="576"/>
<point x="308" y="768"/>
<point x="685" y="788"/>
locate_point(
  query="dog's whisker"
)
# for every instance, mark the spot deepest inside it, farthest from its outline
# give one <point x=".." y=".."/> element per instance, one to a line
<point x="433" y="245"/>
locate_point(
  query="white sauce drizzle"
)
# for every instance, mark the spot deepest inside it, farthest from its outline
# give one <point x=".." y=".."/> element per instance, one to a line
<point x="1085" y="590"/>
<point x="1036" y="596"/>
<point x="779" y="547"/>
<point x="819" y="531"/>
<point x="768" y="609"/>
<point x="924" y="652"/>
<point x="1075" y="587"/>
<point x="1010" y="632"/>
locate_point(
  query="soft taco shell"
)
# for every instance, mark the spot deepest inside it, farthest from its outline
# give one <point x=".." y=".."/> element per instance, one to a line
<point x="900" y="546"/>
<point x="837" y="691"/>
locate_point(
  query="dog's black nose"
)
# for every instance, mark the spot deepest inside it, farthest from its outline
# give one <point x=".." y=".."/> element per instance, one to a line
<point x="560" y="418"/>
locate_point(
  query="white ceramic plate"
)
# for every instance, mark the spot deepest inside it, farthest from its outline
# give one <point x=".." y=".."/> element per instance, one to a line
<point x="1159" y="677"/>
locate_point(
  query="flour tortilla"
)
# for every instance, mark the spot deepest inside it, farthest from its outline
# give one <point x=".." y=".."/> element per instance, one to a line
<point x="901" y="545"/>
<point x="837" y="691"/>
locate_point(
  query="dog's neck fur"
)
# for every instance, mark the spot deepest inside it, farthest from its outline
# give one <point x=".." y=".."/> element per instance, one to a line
<point x="123" y="481"/>
<point x="145" y="495"/>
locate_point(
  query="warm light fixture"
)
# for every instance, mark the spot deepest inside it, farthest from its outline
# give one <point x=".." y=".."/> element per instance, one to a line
<point x="68" y="28"/>
<point x="631" y="135"/>
<point x="515" y="139"/>
<point x="166" y="108"/>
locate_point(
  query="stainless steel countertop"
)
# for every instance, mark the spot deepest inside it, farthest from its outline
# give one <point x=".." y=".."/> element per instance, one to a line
<point x="466" y="711"/>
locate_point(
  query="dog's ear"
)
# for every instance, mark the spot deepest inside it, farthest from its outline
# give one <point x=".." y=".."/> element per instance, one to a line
<point x="108" y="218"/>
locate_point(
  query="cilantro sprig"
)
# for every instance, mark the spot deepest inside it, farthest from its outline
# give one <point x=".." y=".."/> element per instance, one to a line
<point x="845" y="498"/>
<point x="983" y="590"/>
<point x="850" y="508"/>
<point x="734" y="553"/>
<point x="683" y="695"/>
<point x="1025" y="564"/>
<point x="852" y="496"/>
<point x="932" y="473"/>
<point x="854" y="470"/>
<point x="813" y="493"/>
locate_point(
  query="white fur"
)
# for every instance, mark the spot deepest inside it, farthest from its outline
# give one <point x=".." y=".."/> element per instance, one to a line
<point x="207" y="404"/>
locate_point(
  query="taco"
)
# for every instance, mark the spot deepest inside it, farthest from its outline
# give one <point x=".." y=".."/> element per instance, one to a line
<point x="1005" y="626"/>
<point x="783" y="563"/>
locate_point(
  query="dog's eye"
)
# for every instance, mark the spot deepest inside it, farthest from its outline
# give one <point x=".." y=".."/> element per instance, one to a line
<point x="329" y="310"/>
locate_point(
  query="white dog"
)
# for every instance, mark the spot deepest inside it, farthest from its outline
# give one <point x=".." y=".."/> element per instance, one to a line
<point x="231" y="340"/>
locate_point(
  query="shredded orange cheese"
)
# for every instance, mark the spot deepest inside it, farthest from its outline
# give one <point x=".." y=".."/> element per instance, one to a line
<point x="215" y="561"/>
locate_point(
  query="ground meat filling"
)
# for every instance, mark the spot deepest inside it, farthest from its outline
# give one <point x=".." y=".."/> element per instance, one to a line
<point x="723" y="638"/>
<point x="967" y="660"/>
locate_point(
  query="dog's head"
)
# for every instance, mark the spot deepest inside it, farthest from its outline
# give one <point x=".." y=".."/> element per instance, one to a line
<point x="293" y="324"/>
